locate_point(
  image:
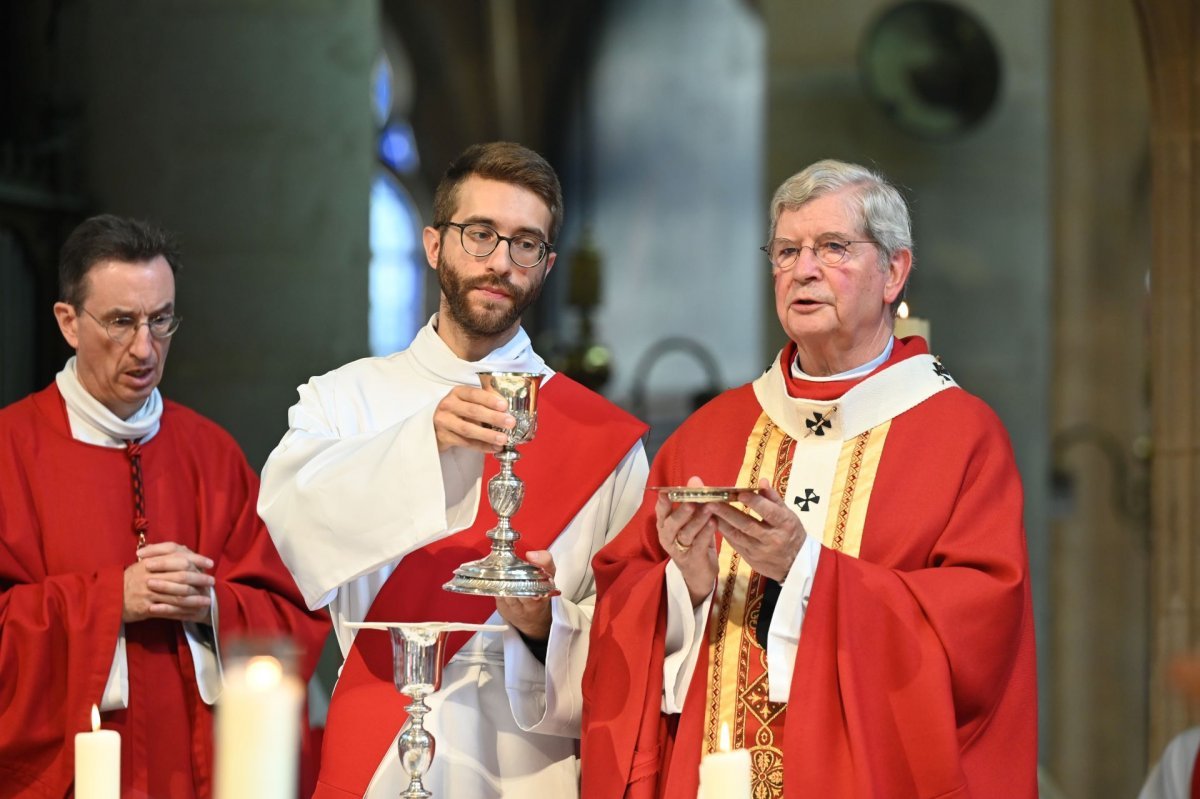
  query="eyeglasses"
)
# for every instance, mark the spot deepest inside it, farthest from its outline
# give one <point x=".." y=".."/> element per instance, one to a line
<point x="481" y="240"/>
<point x="121" y="328"/>
<point x="831" y="252"/>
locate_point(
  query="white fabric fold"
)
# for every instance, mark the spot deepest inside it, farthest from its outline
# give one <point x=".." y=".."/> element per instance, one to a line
<point x="685" y="636"/>
<point x="1171" y="777"/>
<point x="370" y="418"/>
<point x="116" y="688"/>
<point x="94" y="423"/>
<point x="206" y="653"/>
<point x="783" y="636"/>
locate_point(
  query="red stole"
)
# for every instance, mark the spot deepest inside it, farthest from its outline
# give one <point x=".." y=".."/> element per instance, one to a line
<point x="581" y="438"/>
<point x="1195" y="794"/>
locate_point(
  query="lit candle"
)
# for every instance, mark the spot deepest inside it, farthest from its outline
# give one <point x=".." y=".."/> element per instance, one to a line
<point x="258" y="730"/>
<point x="725" y="774"/>
<point x="910" y="325"/>
<point x="97" y="762"/>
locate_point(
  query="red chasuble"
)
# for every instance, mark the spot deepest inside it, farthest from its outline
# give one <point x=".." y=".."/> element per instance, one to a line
<point x="915" y="672"/>
<point x="581" y="438"/>
<point x="66" y="536"/>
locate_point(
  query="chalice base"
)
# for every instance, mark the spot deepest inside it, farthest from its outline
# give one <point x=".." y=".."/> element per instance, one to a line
<point x="501" y="573"/>
<point x="418" y="792"/>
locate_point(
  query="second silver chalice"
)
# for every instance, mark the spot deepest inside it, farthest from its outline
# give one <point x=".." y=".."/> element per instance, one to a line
<point x="417" y="662"/>
<point x="503" y="572"/>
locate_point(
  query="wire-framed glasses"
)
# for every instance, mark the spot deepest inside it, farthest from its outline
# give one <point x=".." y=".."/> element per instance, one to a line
<point x="830" y="251"/>
<point x="122" y="328"/>
<point x="480" y="240"/>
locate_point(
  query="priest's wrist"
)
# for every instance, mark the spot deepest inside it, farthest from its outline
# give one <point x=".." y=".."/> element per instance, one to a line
<point x="698" y="597"/>
<point x="778" y="578"/>
<point x="783" y="574"/>
<point x="536" y="646"/>
<point x="531" y="618"/>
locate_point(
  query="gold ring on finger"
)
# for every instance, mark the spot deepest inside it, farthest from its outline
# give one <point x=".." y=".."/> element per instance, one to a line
<point x="682" y="547"/>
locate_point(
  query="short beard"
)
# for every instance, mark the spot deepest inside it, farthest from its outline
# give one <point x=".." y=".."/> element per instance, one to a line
<point x="489" y="321"/>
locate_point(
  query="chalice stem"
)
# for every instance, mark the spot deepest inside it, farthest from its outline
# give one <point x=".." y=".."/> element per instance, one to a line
<point x="416" y="750"/>
<point x="506" y="491"/>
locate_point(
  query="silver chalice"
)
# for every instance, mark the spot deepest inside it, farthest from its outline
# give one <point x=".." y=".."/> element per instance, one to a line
<point x="417" y="652"/>
<point x="503" y="572"/>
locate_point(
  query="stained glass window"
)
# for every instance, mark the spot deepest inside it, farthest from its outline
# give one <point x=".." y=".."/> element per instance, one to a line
<point x="397" y="261"/>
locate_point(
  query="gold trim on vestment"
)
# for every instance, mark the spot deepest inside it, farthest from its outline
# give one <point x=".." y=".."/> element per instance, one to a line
<point x="730" y="696"/>
<point x="852" y="484"/>
<point x="767" y="442"/>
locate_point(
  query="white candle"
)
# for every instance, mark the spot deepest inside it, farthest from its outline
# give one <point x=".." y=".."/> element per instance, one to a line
<point x="907" y="325"/>
<point x="725" y="774"/>
<point x="97" y="762"/>
<point x="258" y="731"/>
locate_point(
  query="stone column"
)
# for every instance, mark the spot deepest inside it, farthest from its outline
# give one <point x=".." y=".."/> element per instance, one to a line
<point x="246" y="128"/>
<point x="1171" y="35"/>
<point x="1095" y="661"/>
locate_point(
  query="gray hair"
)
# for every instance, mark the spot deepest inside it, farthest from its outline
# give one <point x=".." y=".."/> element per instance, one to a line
<point x="882" y="211"/>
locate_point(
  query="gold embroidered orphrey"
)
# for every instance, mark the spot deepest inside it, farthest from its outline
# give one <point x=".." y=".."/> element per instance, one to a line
<point x="737" y="691"/>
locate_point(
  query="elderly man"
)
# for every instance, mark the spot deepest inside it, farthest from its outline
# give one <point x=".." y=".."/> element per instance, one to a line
<point x="856" y="613"/>
<point x="130" y="550"/>
<point x="373" y="497"/>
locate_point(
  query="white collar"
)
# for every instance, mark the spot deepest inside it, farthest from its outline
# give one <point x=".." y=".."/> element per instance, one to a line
<point x="858" y="371"/>
<point x="881" y="396"/>
<point x="434" y="355"/>
<point x="93" y="423"/>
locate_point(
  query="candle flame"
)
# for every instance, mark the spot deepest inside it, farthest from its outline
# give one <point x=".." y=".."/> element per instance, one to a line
<point x="725" y="745"/>
<point x="902" y="310"/>
<point x="95" y="718"/>
<point x="263" y="671"/>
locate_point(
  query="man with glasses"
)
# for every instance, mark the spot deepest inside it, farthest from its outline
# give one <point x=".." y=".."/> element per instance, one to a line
<point x="130" y="551"/>
<point x="851" y="602"/>
<point x="374" y="498"/>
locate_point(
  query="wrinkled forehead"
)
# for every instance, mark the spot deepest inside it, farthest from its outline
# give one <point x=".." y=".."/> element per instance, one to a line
<point x="839" y="212"/>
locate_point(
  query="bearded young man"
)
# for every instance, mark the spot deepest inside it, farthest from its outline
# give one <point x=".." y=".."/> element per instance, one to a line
<point x="373" y="497"/>
<point x="861" y="621"/>
<point x="130" y="550"/>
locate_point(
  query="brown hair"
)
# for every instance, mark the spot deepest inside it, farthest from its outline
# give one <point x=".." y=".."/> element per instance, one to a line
<point x="508" y="163"/>
<point x="109" y="238"/>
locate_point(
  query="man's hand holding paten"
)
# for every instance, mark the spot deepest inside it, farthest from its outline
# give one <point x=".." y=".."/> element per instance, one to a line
<point x="770" y="543"/>
<point x="686" y="532"/>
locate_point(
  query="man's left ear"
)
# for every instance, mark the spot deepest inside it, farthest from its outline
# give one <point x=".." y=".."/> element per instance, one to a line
<point x="431" y="241"/>
<point x="899" y="267"/>
<point x="551" y="257"/>
<point x="67" y="319"/>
